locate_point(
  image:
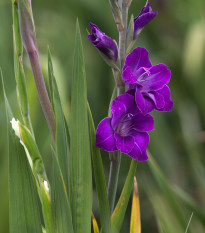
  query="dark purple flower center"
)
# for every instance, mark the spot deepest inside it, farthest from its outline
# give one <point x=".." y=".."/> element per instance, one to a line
<point x="125" y="125"/>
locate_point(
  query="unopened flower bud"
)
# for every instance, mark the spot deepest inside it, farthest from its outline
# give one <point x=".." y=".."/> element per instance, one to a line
<point x="104" y="44"/>
<point x="144" y="17"/>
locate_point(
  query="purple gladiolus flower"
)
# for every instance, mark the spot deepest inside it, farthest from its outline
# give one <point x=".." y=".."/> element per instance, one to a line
<point x="148" y="82"/>
<point x="126" y="129"/>
<point x="103" y="42"/>
<point x="144" y="17"/>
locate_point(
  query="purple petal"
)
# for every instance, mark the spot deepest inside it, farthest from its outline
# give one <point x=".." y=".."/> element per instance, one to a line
<point x="124" y="144"/>
<point x="103" y="42"/>
<point x="147" y="8"/>
<point x="144" y="103"/>
<point x="105" y="135"/>
<point x="139" y="150"/>
<point x="136" y="59"/>
<point x="165" y="92"/>
<point x="119" y="107"/>
<point x="157" y="98"/>
<point x="143" y="123"/>
<point x="155" y="78"/>
<point x="128" y="76"/>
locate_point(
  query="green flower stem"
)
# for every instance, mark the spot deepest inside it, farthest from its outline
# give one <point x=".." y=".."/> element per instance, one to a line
<point x="122" y="35"/>
<point x="42" y="92"/>
<point x="18" y="67"/>
<point x="115" y="157"/>
<point x="28" y="36"/>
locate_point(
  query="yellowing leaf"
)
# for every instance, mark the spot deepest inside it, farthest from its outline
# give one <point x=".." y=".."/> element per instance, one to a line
<point x="95" y="224"/>
<point x="135" y="223"/>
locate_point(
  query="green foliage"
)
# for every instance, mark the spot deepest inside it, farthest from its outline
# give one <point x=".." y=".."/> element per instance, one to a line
<point x="61" y="138"/>
<point x="80" y="154"/>
<point x="178" y="141"/>
<point x="61" y="205"/>
<point x="24" y="215"/>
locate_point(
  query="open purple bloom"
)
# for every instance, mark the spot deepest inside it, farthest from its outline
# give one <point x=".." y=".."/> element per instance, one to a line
<point x="103" y="42"/>
<point x="149" y="82"/>
<point x="126" y="129"/>
<point x="144" y="17"/>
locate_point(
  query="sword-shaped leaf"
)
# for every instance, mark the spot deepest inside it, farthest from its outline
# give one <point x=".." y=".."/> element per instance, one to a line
<point x="61" y="205"/>
<point x="22" y="190"/>
<point x="80" y="154"/>
<point x="61" y="140"/>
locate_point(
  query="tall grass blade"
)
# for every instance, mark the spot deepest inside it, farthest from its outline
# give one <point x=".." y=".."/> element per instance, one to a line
<point x="61" y="205"/>
<point x="189" y="222"/>
<point x="80" y="154"/>
<point x="24" y="214"/>
<point x="61" y="138"/>
<point x="39" y="172"/>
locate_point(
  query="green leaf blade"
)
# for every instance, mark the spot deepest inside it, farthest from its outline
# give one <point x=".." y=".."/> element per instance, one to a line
<point x="22" y="190"/>
<point x="80" y="154"/>
<point x="61" y="137"/>
<point x="61" y="205"/>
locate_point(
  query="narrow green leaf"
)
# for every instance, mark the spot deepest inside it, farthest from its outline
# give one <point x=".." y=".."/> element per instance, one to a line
<point x="61" y="205"/>
<point x="61" y="138"/>
<point x="22" y="190"/>
<point x="99" y="179"/>
<point x="119" y="212"/>
<point x="189" y="223"/>
<point x="37" y="166"/>
<point x="168" y="193"/>
<point x="80" y="154"/>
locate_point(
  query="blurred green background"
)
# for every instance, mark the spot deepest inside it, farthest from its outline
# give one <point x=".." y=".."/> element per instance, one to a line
<point x="175" y="37"/>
